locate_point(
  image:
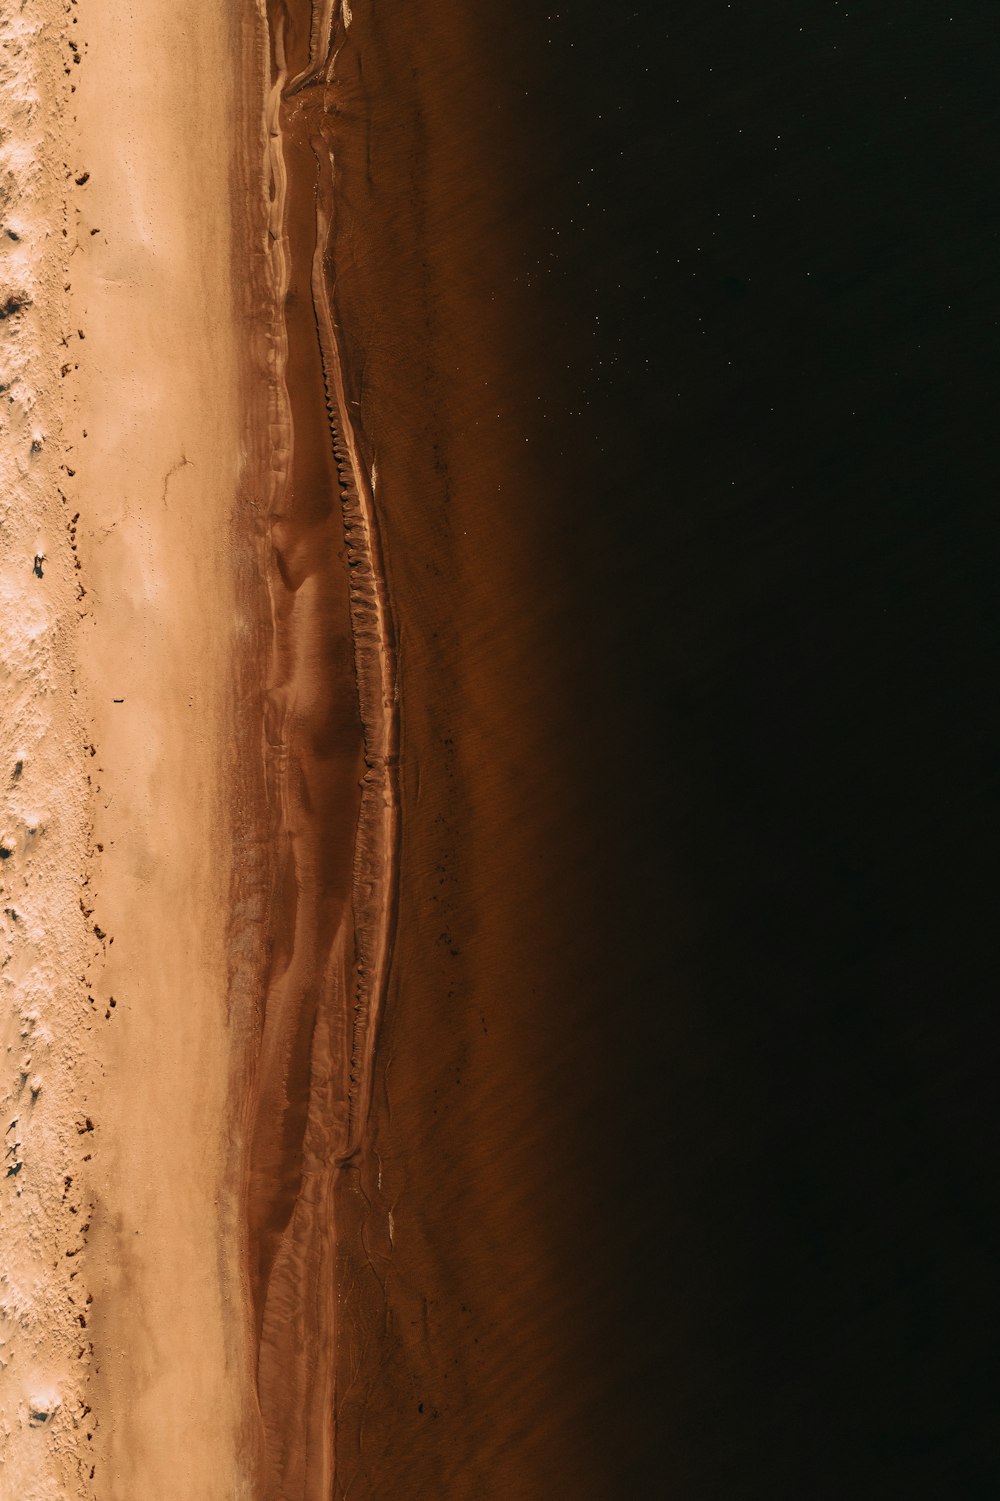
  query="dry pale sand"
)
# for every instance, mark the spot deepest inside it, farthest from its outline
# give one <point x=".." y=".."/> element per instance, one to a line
<point x="124" y="1341"/>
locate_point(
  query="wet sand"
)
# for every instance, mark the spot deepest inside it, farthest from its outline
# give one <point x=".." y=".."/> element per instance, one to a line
<point x="331" y="733"/>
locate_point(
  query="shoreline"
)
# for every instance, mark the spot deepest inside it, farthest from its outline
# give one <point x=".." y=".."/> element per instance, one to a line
<point x="325" y="1178"/>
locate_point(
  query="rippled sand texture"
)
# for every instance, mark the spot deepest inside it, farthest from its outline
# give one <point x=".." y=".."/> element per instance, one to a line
<point x="330" y="746"/>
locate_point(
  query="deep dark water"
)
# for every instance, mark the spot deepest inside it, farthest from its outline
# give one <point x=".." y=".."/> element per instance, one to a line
<point x="764" y="247"/>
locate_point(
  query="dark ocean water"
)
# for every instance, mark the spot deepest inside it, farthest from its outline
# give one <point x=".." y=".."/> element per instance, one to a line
<point x="674" y="336"/>
<point x="777" y="288"/>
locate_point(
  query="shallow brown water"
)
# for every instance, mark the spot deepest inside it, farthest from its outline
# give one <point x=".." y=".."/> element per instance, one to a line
<point x="427" y="1277"/>
<point x="474" y="1355"/>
